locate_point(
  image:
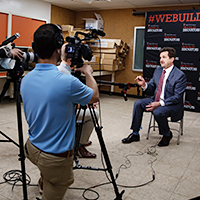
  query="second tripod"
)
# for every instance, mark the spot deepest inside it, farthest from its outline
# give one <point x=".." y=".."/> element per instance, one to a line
<point x="14" y="76"/>
<point x="98" y="129"/>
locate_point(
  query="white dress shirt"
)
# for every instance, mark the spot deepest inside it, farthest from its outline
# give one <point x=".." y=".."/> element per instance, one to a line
<point x="168" y="70"/>
<point x="64" y="68"/>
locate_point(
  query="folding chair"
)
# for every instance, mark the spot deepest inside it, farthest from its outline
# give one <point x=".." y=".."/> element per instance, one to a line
<point x="179" y="122"/>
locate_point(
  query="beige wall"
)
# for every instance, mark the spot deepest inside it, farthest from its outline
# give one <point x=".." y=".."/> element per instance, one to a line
<point x="118" y="24"/>
<point x="62" y="16"/>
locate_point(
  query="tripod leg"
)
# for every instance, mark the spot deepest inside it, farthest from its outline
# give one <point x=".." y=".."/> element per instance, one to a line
<point x="105" y="154"/>
<point x="5" y="88"/>
<point x="21" y="143"/>
<point x="79" y="126"/>
<point x="9" y="139"/>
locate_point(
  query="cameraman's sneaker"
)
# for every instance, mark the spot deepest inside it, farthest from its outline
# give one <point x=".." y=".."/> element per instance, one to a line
<point x="40" y="184"/>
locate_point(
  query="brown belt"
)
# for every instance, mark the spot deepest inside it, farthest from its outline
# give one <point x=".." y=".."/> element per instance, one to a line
<point x="64" y="154"/>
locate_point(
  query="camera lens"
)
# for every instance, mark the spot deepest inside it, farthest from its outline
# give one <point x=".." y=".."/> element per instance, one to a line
<point x="30" y="57"/>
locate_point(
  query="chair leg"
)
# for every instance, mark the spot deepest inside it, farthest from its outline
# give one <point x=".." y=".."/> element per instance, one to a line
<point x="154" y="123"/>
<point x="180" y="132"/>
<point x="149" y="126"/>
<point x="182" y="126"/>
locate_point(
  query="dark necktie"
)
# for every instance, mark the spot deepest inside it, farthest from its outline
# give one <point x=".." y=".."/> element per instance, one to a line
<point x="160" y="84"/>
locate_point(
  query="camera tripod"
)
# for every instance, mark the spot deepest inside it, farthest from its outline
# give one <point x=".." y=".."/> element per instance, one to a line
<point x="14" y="76"/>
<point x="102" y="144"/>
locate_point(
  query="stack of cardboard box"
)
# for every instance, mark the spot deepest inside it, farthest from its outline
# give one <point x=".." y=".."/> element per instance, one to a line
<point x="69" y="30"/>
<point x="108" y="54"/>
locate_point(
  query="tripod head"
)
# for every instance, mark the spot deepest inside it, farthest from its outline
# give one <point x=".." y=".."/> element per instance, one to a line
<point x="13" y="75"/>
<point x="17" y="71"/>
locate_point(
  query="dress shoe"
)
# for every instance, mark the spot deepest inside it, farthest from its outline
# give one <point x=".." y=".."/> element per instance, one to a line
<point x="84" y="153"/>
<point x="165" y="140"/>
<point x="131" y="138"/>
<point x="87" y="144"/>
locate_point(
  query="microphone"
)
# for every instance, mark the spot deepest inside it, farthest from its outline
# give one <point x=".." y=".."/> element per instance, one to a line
<point x="10" y="39"/>
<point x="96" y="32"/>
<point x="70" y="39"/>
<point x="101" y="33"/>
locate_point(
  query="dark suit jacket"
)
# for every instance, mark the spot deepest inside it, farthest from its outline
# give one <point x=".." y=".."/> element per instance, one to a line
<point x="174" y="90"/>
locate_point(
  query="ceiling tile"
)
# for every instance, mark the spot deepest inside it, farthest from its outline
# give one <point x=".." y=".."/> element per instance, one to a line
<point x="81" y="5"/>
<point x="190" y="2"/>
<point x="146" y="3"/>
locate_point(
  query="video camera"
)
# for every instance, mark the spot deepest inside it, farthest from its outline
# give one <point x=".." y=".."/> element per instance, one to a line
<point x="76" y="50"/>
<point x="8" y="63"/>
<point x="16" y="66"/>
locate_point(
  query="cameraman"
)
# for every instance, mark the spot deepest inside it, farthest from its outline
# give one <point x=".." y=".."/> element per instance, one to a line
<point x="6" y="52"/>
<point x="49" y="99"/>
<point x="88" y="125"/>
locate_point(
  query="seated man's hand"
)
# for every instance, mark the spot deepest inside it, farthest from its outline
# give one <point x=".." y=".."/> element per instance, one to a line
<point x="140" y="80"/>
<point x="152" y="106"/>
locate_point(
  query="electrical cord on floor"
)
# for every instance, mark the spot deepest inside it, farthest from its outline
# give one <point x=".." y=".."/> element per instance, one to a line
<point x="150" y="151"/>
<point x="90" y="189"/>
<point x="14" y="178"/>
<point x="86" y="190"/>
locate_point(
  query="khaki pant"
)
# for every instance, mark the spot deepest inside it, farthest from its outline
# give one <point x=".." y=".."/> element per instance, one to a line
<point x="88" y="125"/>
<point x="57" y="172"/>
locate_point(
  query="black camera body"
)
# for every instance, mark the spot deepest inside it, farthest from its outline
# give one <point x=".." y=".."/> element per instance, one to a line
<point x="76" y="50"/>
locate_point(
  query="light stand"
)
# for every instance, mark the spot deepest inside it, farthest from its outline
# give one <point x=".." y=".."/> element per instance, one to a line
<point x="124" y="86"/>
<point x="15" y="77"/>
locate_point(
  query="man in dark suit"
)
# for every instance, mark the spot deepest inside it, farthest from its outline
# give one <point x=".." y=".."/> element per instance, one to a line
<point x="167" y="88"/>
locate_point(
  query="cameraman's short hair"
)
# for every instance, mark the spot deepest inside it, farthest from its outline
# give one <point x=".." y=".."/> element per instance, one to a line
<point x="44" y="44"/>
<point x="171" y="51"/>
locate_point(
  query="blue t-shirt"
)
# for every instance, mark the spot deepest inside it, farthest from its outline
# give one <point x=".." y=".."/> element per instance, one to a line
<point x="49" y="99"/>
